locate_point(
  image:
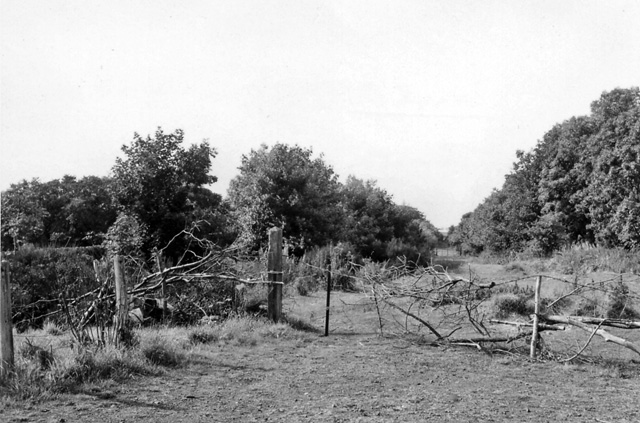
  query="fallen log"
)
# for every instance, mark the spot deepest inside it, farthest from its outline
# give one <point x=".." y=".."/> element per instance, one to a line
<point x="541" y="326"/>
<point x="614" y="323"/>
<point x="603" y="333"/>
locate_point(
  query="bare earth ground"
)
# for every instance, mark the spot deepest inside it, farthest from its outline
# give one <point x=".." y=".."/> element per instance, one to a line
<point x="353" y="375"/>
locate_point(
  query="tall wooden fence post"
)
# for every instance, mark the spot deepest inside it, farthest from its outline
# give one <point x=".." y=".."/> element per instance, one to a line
<point x="534" y="335"/>
<point x="274" y="271"/>
<point x="6" y="329"/>
<point x="122" y="306"/>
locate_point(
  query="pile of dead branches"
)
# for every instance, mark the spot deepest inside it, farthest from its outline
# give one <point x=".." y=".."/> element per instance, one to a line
<point x="455" y="310"/>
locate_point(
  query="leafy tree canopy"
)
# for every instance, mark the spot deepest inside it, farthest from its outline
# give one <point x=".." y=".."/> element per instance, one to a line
<point x="162" y="184"/>
<point x="285" y="186"/>
<point x="63" y="212"/>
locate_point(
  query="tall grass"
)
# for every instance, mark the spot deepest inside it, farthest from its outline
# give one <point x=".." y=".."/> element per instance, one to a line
<point x="583" y="259"/>
<point x="48" y="364"/>
<point x="308" y="273"/>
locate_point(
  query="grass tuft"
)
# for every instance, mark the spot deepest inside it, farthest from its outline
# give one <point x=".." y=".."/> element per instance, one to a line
<point x="162" y="353"/>
<point x="202" y="336"/>
<point x="40" y="356"/>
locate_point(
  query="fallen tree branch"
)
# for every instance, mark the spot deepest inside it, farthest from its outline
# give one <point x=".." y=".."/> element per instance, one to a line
<point x="614" y="323"/>
<point x="408" y="313"/>
<point x="477" y="340"/>
<point x="585" y="345"/>
<point x="604" y="334"/>
<point x="541" y="326"/>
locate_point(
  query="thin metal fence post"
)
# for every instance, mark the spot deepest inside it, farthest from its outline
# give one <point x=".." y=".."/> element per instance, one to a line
<point x="329" y="269"/>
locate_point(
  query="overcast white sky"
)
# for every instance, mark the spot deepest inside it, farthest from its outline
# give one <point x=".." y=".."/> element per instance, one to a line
<point x="430" y="98"/>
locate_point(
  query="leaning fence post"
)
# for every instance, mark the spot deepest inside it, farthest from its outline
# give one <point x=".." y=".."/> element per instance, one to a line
<point x="6" y="329"/>
<point x="534" y="335"/>
<point x="274" y="271"/>
<point x="121" y="300"/>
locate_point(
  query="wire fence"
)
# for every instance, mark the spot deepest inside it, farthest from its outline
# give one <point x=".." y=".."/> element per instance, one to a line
<point x="404" y="299"/>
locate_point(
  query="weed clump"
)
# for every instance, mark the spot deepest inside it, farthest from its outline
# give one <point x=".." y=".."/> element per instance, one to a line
<point x="200" y="336"/>
<point x="161" y="353"/>
<point x="305" y="285"/>
<point x="40" y="356"/>
<point x="104" y="363"/>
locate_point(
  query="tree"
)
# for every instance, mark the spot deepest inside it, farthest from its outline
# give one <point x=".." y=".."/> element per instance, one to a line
<point x="63" y="211"/>
<point x="159" y="183"/>
<point x="580" y="183"/>
<point x="23" y="215"/>
<point x="284" y="186"/>
<point x="369" y="217"/>
<point x="613" y="195"/>
<point x="564" y="179"/>
<point x="90" y="210"/>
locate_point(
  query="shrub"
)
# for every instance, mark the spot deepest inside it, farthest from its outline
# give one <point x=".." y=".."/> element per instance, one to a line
<point x="619" y="303"/>
<point x="507" y="304"/>
<point x="41" y="275"/>
<point x="588" y="307"/>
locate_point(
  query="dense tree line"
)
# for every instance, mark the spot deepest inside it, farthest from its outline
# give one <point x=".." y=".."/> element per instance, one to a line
<point x="159" y="188"/>
<point x="581" y="183"/>
<point x="285" y="186"/>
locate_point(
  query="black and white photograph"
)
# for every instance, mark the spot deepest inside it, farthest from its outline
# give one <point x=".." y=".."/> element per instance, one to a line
<point x="320" y="211"/>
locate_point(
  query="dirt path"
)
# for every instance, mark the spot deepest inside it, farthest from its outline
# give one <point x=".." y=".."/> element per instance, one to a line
<point x="353" y="378"/>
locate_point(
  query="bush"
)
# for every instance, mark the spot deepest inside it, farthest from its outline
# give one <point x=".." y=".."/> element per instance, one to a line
<point x="588" y="307"/>
<point x="507" y="304"/>
<point x="40" y="276"/>
<point x="619" y="303"/>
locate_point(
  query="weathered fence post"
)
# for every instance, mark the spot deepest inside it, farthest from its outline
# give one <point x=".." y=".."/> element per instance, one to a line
<point x="6" y="329"/>
<point x="122" y="306"/>
<point x="534" y="335"/>
<point x="274" y="271"/>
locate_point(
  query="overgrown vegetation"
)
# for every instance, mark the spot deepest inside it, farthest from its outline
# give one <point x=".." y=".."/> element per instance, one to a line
<point x="49" y="365"/>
